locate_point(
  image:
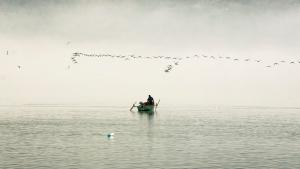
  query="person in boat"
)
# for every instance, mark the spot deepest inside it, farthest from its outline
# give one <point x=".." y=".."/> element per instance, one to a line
<point x="150" y="100"/>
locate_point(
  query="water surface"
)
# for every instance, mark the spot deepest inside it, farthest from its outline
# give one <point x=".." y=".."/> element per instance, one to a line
<point x="174" y="137"/>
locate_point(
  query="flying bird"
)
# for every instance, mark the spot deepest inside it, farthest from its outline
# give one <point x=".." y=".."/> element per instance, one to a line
<point x="76" y="54"/>
<point x="169" y="68"/>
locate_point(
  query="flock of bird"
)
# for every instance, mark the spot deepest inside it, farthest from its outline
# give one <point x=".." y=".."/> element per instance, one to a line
<point x="177" y="60"/>
<point x="174" y="60"/>
<point x="129" y="57"/>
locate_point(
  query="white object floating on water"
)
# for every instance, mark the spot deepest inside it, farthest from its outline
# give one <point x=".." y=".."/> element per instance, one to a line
<point x="110" y="135"/>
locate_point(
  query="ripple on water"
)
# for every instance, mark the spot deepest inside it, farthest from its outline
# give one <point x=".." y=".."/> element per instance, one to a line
<point x="64" y="137"/>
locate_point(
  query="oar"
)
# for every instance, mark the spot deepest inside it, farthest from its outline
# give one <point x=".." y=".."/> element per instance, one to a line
<point x="132" y="106"/>
<point x="157" y="104"/>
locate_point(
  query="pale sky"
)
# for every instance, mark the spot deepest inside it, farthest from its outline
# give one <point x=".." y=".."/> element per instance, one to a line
<point x="41" y="36"/>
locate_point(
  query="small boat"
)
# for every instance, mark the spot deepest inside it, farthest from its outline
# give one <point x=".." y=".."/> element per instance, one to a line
<point x="143" y="107"/>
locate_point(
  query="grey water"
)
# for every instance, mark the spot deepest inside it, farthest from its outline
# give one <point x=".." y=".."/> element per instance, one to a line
<point x="173" y="137"/>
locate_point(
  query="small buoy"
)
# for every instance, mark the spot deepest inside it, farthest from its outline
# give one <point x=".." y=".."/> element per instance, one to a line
<point x="110" y="135"/>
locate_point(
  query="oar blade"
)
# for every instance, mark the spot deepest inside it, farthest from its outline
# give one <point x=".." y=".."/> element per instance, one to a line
<point x="157" y="104"/>
<point x="132" y="106"/>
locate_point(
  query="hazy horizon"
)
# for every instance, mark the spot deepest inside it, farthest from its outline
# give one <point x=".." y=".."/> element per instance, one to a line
<point x="41" y="36"/>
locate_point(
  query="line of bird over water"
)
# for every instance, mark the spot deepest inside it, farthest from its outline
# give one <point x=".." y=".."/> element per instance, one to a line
<point x="174" y="60"/>
<point x="177" y="60"/>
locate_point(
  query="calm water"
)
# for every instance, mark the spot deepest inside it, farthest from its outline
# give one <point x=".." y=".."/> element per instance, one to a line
<point x="197" y="137"/>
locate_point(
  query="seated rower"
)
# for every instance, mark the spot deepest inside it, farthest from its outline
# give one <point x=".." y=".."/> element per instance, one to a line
<point x="150" y="100"/>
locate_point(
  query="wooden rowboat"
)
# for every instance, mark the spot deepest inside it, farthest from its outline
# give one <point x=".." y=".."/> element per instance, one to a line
<point x="142" y="107"/>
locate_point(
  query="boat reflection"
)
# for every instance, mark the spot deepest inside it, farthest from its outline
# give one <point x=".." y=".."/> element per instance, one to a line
<point x="145" y="114"/>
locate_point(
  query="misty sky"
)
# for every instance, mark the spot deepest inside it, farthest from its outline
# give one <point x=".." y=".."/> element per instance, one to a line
<point x="42" y="35"/>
